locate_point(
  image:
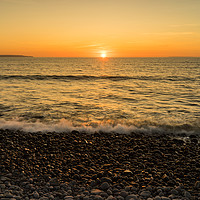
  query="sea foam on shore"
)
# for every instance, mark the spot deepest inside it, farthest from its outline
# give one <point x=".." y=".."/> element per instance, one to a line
<point x="66" y="126"/>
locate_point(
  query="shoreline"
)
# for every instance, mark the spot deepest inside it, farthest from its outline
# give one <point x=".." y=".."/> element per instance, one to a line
<point x="97" y="166"/>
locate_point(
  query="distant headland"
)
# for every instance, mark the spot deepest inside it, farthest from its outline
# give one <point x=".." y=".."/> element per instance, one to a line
<point x="14" y="56"/>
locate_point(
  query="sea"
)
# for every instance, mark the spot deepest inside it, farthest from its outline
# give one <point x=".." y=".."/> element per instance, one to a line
<point x="120" y="95"/>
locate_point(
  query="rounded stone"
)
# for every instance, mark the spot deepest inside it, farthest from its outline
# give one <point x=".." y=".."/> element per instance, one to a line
<point x="8" y="195"/>
<point x="36" y="195"/>
<point x="173" y="191"/>
<point x="104" y="195"/>
<point x="109" y="192"/>
<point x="197" y="185"/>
<point x="68" y="198"/>
<point x="158" y="198"/>
<point x="44" y="198"/>
<point x="132" y="197"/>
<point x="18" y="198"/>
<point x="98" y="197"/>
<point x="123" y="193"/>
<point x="106" y="179"/>
<point x="51" y="196"/>
<point x="54" y="182"/>
<point x="96" y="191"/>
<point x="120" y="198"/>
<point x="111" y="198"/>
<point x="128" y="188"/>
<point x="145" y="194"/>
<point x="104" y="186"/>
<point x="165" y="198"/>
<point x="187" y="194"/>
<point x="2" y="186"/>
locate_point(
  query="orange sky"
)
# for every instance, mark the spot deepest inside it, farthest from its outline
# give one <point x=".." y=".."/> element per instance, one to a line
<point x="87" y="28"/>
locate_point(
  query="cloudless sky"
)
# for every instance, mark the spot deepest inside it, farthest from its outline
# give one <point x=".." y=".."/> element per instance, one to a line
<point x="124" y="28"/>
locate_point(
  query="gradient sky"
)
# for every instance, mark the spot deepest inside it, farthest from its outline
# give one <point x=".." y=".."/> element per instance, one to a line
<point x="85" y="28"/>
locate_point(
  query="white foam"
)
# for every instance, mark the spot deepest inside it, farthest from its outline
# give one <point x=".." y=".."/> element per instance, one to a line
<point x="65" y="126"/>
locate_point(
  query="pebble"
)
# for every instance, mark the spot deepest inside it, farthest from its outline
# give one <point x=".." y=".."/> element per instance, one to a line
<point x="4" y="178"/>
<point x="18" y="197"/>
<point x="158" y="198"/>
<point x="36" y="195"/>
<point x="54" y="182"/>
<point x="98" y="197"/>
<point x="111" y="198"/>
<point x="4" y="198"/>
<point x="106" y="179"/>
<point x="165" y="198"/>
<point x="124" y="193"/>
<point x="104" y="194"/>
<point x="173" y="191"/>
<point x="120" y="198"/>
<point x="145" y="194"/>
<point x="197" y="185"/>
<point x="96" y="191"/>
<point x="50" y="196"/>
<point x="104" y="186"/>
<point x="8" y="195"/>
<point x="109" y="192"/>
<point x="44" y="198"/>
<point x="187" y="194"/>
<point x="68" y="198"/>
<point x="131" y="197"/>
<point x="128" y="188"/>
<point x="2" y="186"/>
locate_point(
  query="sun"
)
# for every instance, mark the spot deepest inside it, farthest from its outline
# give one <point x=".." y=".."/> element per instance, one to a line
<point x="103" y="55"/>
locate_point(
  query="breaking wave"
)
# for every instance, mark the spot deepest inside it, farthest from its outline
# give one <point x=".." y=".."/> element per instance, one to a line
<point x="65" y="126"/>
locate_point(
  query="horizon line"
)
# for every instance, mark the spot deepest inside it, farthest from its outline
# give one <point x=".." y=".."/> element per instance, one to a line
<point x="21" y="55"/>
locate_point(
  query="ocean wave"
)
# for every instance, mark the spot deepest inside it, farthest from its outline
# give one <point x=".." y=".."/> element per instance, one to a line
<point x="91" y="77"/>
<point x="66" y="126"/>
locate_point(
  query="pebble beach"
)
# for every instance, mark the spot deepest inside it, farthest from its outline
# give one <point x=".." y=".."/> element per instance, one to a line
<point x="82" y="166"/>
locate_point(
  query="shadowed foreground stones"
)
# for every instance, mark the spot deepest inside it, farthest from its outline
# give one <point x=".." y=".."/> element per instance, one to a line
<point x="104" y="186"/>
<point x="98" y="166"/>
<point x="132" y="197"/>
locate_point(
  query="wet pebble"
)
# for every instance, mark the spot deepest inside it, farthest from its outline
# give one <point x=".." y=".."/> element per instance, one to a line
<point x="145" y="194"/>
<point x="104" y="186"/>
<point x="131" y="197"/>
<point x="96" y="191"/>
<point x="124" y="193"/>
<point x="36" y="195"/>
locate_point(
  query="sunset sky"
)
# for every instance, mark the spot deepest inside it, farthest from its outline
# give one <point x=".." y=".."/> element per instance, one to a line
<point x="88" y="28"/>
